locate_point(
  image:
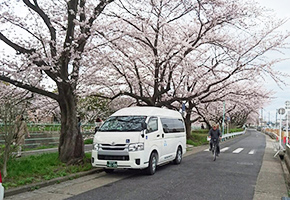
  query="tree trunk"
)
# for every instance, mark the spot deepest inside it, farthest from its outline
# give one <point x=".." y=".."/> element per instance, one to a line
<point x="71" y="145"/>
<point x="188" y="125"/>
<point x="5" y="159"/>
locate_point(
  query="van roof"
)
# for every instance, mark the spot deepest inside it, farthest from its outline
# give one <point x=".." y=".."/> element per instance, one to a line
<point x="148" y="111"/>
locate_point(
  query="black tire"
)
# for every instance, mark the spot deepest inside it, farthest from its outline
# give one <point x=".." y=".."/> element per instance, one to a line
<point x="152" y="164"/>
<point x="178" y="157"/>
<point x="109" y="171"/>
<point x="214" y="153"/>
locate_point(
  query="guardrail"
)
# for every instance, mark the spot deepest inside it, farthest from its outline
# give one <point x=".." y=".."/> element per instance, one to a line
<point x="46" y="138"/>
<point x="225" y="136"/>
<point x="229" y="135"/>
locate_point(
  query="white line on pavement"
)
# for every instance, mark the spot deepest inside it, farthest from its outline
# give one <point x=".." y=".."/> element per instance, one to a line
<point x="252" y="152"/>
<point x="224" y="149"/>
<point x="238" y="150"/>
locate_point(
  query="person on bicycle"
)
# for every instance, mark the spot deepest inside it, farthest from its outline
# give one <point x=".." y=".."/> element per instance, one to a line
<point x="214" y="133"/>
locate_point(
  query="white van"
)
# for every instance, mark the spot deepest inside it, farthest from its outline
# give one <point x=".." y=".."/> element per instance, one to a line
<point x="139" y="138"/>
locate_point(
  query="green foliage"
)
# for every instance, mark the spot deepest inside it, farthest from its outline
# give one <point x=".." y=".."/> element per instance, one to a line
<point x="198" y="138"/>
<point x="36" y="168"/>
<point x="88" y="141"/>
<point x="35" y="127"/>
<point x="233" y="130"/>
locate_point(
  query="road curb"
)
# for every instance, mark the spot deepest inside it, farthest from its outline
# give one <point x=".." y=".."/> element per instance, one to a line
<point x="34" y="186"/>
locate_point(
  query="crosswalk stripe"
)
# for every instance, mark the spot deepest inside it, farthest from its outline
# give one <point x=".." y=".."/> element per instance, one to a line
<point x="224" y="149"/>
<point x="238" y="150"/>
<point x="252" y="152"/>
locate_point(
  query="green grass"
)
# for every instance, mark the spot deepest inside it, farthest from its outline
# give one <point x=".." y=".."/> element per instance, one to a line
<point x="88" y="141"/>
<point x="40" y="147"/>
<point x="36" y="168"/>
<point x="236" y="130"/>
<point x="198" y="137"/>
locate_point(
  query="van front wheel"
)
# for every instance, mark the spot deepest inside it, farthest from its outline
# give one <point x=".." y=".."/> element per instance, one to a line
<point x="178" y="157"/>
<point x="152" y="164"/>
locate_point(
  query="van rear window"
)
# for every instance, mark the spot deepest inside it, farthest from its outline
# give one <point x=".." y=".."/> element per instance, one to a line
<point x="123" y="124"/>
<point x="172" y="125"/>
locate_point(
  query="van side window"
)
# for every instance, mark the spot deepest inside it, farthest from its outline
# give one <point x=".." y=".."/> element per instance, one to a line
<point x="152" y="125"/>
<point x="172" y="125"/>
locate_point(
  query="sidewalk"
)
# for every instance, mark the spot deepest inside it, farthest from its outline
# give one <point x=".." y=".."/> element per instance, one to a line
<point x="271" y="184"/>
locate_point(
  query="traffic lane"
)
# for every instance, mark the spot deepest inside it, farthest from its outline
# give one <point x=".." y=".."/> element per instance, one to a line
<point x="201" y="180"/>
<point x="198" y="177"/>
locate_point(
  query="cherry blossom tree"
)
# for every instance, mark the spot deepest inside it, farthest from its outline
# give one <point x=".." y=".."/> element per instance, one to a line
<point x="158" y="53"/>
<point x="163" y="53"/>
<point x="47" y="40"/>
<point x="239" y="104"/>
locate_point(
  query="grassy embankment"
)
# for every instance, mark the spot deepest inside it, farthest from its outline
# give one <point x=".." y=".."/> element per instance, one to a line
<point x="37" y="168"/>
<point x="199" y="137"/>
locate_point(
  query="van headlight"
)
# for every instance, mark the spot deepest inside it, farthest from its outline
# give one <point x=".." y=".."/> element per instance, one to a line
<point x="136" y="147"/>
<point x="96" y="146"/>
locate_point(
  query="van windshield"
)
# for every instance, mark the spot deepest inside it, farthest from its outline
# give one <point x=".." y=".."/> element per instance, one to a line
<point x="123" y="123"/>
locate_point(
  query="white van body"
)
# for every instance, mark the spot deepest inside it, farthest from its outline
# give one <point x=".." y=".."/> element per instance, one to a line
<point x="163" y="139"/>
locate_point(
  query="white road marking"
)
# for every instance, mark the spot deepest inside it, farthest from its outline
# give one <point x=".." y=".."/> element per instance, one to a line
<point x="244" y="163"/>
<point x="252" y="152"/>
<point x="224" y="149"/>
<point x="238" y="150"/>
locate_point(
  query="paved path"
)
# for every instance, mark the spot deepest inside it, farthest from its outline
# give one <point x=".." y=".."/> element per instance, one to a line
<point x="271" y="181"/>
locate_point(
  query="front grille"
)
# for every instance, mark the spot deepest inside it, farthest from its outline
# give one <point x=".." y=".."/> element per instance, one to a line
<point x="110" y="157"/>
<point x="116" y="147"/>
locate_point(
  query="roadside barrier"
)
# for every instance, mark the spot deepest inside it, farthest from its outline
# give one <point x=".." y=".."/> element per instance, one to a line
<point x="230" y="135"/>
<point x="47" y="134"/>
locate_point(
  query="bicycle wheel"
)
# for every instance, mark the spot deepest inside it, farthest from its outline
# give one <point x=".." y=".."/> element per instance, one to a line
<point x="214" y="153"/>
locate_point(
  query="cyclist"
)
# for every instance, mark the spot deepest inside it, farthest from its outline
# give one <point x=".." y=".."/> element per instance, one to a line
<point x="214" y="133"/>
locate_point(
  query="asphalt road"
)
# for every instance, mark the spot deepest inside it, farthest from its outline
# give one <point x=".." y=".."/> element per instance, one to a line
<point x="232" y="176"/>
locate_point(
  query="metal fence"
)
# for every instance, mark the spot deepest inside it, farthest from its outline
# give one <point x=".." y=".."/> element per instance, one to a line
<point x="230" y="135"/>
<point x="47" y="134"/>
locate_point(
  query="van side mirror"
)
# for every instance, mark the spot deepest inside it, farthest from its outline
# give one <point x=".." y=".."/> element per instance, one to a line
<point x="96" y="129"/>
<point x="144" y="127"/>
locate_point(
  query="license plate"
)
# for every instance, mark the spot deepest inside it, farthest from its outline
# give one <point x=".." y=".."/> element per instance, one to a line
<point x="112" y="164"/>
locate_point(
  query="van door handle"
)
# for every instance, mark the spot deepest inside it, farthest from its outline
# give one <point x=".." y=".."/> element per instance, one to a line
<point x="162" y="135"/>
<point x="158" y="135"/>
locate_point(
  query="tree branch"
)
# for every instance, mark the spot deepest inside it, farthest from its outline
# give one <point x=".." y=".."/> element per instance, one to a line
<point x="29" y="87"/>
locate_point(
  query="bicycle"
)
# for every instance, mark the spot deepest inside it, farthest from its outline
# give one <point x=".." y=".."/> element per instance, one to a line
<point x="214" y="148"/>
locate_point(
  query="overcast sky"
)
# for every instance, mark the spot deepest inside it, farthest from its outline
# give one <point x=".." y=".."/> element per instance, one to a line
<point x="281" y="7"/>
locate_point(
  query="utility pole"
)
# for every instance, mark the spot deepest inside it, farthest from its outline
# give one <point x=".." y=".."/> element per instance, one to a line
<point x="287" y="107"/>
<point x="224" y="108"/>
<point x="269" y="121"/>
<point x="276" y="118"/>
